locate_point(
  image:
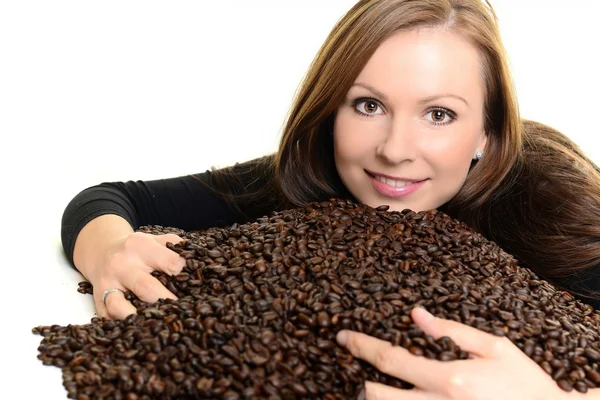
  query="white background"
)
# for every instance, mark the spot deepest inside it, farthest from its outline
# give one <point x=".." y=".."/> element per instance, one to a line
<point x="118" y="90"/>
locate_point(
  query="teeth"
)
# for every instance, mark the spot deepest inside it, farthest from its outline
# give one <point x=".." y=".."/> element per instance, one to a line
<point x="392" y="182"/>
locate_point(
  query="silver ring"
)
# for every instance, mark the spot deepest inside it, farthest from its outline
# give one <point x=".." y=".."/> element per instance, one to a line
<point x="109" y="291"/>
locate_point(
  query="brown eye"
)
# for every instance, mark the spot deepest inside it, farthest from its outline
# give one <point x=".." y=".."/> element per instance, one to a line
<point x="438" y="115"/>
<point x="368" y="108"/>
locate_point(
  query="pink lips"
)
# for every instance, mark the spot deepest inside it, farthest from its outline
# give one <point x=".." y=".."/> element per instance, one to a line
<point x="391" y="191"/>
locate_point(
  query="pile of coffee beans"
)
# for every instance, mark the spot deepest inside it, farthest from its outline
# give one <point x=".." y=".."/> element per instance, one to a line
<point x="260" y="303"/>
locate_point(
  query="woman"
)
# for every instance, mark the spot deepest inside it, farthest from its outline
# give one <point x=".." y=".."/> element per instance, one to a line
<point x="408" y="103"/>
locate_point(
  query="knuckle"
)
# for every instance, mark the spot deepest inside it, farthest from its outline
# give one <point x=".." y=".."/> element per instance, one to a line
<point x="384" y="361"/>
<point x="498" y="346"/>
<point x="456" y="386"/>
<point x="167" y="238"/>
<point x="143" y="286"/>
<point x="353" y="344"/>
<point x="133" y="240"/>
<point x="169" y="264"/>
<point x="171" y="237"/>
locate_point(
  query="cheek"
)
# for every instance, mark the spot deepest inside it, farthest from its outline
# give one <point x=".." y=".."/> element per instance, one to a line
<point x="351" y="139"/>
<point x="448" y="161"/>
<point x="451" y="156"/>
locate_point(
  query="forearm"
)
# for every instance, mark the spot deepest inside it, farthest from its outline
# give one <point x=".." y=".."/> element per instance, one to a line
<point x="94" y="240"/>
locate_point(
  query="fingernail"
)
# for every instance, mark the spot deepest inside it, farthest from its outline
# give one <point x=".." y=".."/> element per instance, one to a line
<point x="362" y="395"/>
<point x="342" y="337"/>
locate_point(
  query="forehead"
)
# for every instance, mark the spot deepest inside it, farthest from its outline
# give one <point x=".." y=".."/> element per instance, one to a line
<point x="425" y="62"/>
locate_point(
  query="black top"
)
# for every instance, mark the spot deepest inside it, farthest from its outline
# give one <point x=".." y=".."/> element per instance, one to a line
<point x="185" y="202"/>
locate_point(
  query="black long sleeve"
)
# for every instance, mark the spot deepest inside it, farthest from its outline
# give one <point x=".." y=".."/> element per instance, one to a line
<point x="183" y="202"/>
<point x="186" y="203"/>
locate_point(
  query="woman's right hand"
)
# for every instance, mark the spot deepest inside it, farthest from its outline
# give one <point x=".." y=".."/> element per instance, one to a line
<point x="110" y="255"/>
<point x="127" y="264"/>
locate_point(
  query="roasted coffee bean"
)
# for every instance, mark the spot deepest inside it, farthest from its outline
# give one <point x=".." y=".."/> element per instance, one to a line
<point x="259" y="306"/>
<point x="592" y="354"/>
<point x="565" y="385"/>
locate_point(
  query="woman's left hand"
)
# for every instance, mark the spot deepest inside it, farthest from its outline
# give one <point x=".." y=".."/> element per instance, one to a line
<point x="497" y="369"/>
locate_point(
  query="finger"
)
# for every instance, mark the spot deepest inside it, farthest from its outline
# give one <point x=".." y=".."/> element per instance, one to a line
<point x="395" y="361"/>
<point x="168" y="238"/>
<point x="155" y="256"/>
<point x="117" y="306"/>
<point x="378" y="391"/>
<point x="159" y="257"/>
<point x="470" y="339"/>
<point x="145" y="286"/>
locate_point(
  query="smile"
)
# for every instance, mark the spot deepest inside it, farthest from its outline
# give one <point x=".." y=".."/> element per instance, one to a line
<point x="394" y="187"/>
<point x="393" y="182"/>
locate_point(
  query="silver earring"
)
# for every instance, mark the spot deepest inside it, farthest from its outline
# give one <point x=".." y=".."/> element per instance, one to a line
<point x="478" y="155"/>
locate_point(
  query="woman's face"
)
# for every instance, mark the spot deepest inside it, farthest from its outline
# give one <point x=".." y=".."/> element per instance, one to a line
<point x="410" y="126"/>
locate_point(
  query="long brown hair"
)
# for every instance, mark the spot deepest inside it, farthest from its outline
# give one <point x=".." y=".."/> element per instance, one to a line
<point x="548" y="214"/>
<point x="512" y="195"/>
<point x="304" y="168"/>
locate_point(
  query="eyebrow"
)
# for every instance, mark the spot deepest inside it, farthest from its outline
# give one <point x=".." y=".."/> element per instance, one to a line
<point x="425" y="100"/>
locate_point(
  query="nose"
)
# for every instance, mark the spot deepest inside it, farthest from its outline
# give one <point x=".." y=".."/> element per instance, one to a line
<point x="399" y="142"/>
